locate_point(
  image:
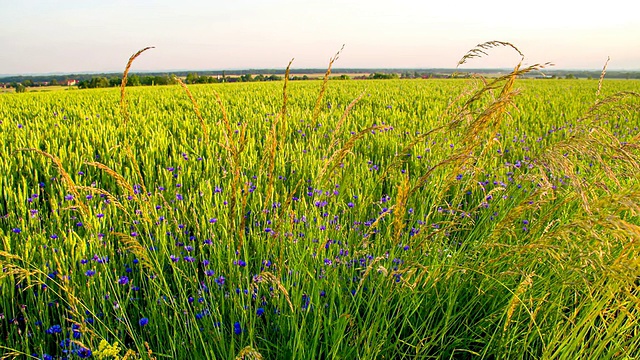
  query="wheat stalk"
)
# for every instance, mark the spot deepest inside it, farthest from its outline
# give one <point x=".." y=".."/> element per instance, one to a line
<point x="66" y="179"/>
<point x="249" y="353"/>
<point x="317" y="108"/>
<point x="123" y="84"/>
<point x="480" y="50"/>
<point x="274" y="281"/>
<point x="601" y="80"/>
<point x="196" y="108"/>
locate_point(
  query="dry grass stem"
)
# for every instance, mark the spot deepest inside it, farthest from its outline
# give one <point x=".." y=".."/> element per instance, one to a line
<point x="123" y="84"/>
<point x="601" y="80"/>
<point x="318" y="108"/>
<point x="196" y="108"/>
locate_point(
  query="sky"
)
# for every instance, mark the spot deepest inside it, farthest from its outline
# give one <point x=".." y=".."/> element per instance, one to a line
<point x="75" y="36"/>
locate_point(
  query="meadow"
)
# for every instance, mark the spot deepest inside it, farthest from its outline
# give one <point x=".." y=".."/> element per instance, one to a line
<point x="458" y="218"/>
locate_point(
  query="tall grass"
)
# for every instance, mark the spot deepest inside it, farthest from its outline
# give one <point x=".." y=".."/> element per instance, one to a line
<point x="491" y="218"/>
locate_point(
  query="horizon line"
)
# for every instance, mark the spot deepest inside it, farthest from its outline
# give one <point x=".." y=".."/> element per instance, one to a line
<point x="320" y="70"/>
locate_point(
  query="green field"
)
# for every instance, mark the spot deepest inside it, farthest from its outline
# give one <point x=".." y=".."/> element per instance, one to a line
<point x="429" y="219"/>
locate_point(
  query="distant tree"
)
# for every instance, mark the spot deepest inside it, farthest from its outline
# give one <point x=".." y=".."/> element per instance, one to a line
<point x="260" y="77"/>
<point x="246" y="78"/>
<point x="382" y="76"/>
<point x="115" y="81"/>
<point x="206" y="80"/>
<point x="27" y="82"/>
<point x="20" y="88"/>
<point x="406" y="75"/>
<point x="98" y="82"/>
<point x="148" y="80"/>
<point x="569" y="76"/>
<point x="162" y="80"/>
<point x="274" y="77"/>
<point x="53" y="82"/>
<point x="133" y="80"/>
<point x="192" y="78"/>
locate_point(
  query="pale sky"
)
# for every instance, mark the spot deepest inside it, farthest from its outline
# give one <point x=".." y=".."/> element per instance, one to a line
<point x="41" y="36"/>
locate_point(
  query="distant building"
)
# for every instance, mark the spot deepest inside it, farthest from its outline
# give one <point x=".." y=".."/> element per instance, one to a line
<point x="71" y="82"/>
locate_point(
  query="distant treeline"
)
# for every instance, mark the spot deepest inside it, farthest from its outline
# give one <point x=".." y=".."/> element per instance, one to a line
<point x="250" y="75"/>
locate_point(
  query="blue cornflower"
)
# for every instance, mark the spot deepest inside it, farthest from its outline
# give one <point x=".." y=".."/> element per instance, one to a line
<point x="143" y="321"/>
<point x="16" y="230"/>
<point x="55" y="329"/>
<point x="237" y="328"/>
<point x="90" y="273"/>
<point x="260" y="311"/>
<point x="83" y="353"/>
<point x="123" y="280"/>
<point x="68" y="197"/>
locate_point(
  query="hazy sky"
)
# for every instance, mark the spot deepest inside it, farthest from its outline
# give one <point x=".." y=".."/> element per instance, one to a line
<point x="40" y="36"/>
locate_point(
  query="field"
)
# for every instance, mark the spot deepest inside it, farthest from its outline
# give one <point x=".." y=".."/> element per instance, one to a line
<point x="428" y="219"/>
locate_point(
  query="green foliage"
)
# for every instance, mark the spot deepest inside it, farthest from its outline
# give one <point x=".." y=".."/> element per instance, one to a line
<point x="133" y="80"/>
<point x="20" y="88"/>
<point x="192" y="78"/>
<point x="381" y="76"/>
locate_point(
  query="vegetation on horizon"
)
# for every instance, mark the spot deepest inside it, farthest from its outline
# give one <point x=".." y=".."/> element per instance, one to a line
<point x="467" y="218"/>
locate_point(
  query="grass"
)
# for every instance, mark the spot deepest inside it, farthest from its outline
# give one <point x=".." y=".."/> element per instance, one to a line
<point x="486" y="218"/>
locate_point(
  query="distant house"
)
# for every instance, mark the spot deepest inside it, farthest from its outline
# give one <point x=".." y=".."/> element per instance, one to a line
<point x="71" y="82"/>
